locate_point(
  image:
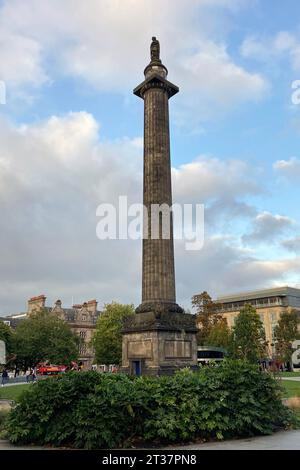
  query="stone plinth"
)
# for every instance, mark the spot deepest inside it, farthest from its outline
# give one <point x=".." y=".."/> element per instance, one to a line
<point x="160" y="342"/>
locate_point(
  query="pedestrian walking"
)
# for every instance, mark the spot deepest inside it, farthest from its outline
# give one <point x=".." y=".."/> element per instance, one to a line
<point x="4" y="377"/>
<point x="27" y="373"/>
<point x="33" y="375"/>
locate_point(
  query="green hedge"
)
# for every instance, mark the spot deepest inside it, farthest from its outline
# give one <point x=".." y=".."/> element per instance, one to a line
<point x="92" y="410"/>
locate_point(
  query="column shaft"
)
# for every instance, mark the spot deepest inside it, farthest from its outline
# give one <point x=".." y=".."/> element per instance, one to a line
<point x="158" y="255"/>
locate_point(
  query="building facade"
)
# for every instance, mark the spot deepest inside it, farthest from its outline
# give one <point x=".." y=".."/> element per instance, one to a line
<point x="269" y="304"/>
<point x="82" y="319"/>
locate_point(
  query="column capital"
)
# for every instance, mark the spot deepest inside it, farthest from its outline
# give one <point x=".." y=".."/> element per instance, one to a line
<point x="156" y="81"/>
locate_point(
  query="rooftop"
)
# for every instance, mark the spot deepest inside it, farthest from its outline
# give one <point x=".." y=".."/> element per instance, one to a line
<point x="260" y="294"/>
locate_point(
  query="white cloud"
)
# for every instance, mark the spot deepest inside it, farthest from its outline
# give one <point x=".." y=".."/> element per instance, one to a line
<point x="207" y="178"/>
<point x="53" y="175"/>
<point x="107" y="44"/>
<point x="223" y="267"/>
<point x="288" y="168"/>
<point x="266" y="48"/>
<point x="283" y="45"/>
<point x="292" y="244"/>
<point x="21" y="60"/>
<point x="267" y="227"/>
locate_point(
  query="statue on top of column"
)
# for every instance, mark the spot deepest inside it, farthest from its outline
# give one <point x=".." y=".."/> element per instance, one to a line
<point x="155" y="50"/>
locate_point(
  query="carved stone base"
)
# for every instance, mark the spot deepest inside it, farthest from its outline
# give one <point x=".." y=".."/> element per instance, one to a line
<point x="159" y="307"/>
<point x="158" y="343"/>
<point x="163" y="320"/>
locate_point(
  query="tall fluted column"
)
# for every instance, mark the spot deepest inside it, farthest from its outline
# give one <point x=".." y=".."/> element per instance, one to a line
<point x="158" y="284"/>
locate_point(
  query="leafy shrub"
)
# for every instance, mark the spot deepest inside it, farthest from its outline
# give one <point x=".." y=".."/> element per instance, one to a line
<point x="3" y="419"/>
<point x="92" y="410"/>
<point x="46" y="411"/>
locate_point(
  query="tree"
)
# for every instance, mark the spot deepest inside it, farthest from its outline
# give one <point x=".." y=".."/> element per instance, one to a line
<point x="45" y="337"/>
<point x="249" y="340"/>
<point x="220" y="335"/>
<point x="285" y="333"/>
<point x="207" y="315"/>
<point x="107" y="340"/>
<point x="7" y="336"/>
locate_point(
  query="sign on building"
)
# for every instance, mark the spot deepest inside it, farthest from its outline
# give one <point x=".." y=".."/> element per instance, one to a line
<point x="2" y="352"/>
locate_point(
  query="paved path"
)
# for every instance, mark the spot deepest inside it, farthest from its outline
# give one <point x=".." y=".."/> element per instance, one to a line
<point x="5" y="445"/>
<point x="14" y="384"/>
<point x="284" y="440"/>
<point x="293" y="379"/>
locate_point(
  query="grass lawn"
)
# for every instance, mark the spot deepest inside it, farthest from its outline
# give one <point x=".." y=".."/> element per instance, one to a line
<point x="289" y="374"/>
<point x="292" y="389"/>
<point x="12" y="392"/>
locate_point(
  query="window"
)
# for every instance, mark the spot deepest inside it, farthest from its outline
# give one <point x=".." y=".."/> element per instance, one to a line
<point x="273" y="317"/>
<point x="273" y="332"/>
<point x="82" y="334"/>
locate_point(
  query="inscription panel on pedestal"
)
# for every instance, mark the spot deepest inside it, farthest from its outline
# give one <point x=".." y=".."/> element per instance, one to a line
<point x="139" y="349"/>
<point x="179" y="349"/>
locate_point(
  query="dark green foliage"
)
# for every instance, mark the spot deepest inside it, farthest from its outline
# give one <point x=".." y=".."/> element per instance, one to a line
<point x="249" y="342"/>
<point x="46" y="412"/>
<point x="7" y="336"/>
<point x="92" y="410"/>
<point x="107" y="339"/>
<point x="43" y="336"/>
<point x="208" y="317"/>
<point x="285" y="333"/>
<point x="3" y="418"/>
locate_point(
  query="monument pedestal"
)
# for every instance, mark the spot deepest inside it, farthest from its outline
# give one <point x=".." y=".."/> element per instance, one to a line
<point x="158" y="343"/>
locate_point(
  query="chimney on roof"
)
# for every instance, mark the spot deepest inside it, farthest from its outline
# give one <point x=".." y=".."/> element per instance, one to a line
<point x="36" y="303"/>
<point x="92" y="306"/>
<point x="77" y="306"/>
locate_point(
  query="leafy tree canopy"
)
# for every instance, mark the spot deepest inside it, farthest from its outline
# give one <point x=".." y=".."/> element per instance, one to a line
<point x="285" y="333"/>
<point x="220" y="335"/>
<point x="43" y="336"/>
<point x="208" y="316"/>
<point x="7" y="336"/>
<point x="107" y="339"/>
<point x="249" y="335"/>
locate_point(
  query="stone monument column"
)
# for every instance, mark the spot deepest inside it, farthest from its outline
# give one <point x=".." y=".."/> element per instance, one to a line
<point x="158" y="274"/>
<point x="160" y="337"/>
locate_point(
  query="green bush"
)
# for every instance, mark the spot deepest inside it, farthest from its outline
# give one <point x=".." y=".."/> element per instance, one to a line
<point x="92" y="410"/>
<point x="3" y="419"/>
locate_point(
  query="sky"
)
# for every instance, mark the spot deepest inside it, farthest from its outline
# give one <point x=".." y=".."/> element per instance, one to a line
<point x="71" y="138"/>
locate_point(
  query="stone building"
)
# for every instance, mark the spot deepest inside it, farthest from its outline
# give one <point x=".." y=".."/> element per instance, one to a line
<point x="82" y="319"/>
<point x="269" y="304"/>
